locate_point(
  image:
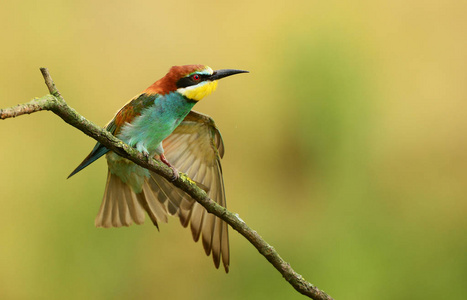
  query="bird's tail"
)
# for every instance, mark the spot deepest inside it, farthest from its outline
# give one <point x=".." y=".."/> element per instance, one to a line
<point x="121" y="206"/>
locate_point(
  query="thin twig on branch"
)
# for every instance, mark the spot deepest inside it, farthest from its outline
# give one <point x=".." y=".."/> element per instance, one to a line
<point x="55" y="103"/>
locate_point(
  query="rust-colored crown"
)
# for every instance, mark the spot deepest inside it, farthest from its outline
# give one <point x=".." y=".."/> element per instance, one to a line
<point x="167" y="83"/>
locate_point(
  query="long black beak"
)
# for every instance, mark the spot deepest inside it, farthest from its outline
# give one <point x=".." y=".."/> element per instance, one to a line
<point x="224" y="73"/>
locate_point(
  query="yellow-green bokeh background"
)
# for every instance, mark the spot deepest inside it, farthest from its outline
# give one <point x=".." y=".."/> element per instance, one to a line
<point x="346" y="147"/>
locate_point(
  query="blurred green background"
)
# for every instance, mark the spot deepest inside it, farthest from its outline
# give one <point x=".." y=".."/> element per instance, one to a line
<point x="346" y="147"/>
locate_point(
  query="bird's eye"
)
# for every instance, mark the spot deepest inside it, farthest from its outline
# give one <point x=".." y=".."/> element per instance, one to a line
<point x="196" y="77"/>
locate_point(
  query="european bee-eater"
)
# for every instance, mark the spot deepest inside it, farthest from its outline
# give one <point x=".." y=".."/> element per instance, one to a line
<point x="160" y="123"/>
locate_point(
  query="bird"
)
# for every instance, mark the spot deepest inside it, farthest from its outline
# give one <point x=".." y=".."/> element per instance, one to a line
<point x="160" y="123"/>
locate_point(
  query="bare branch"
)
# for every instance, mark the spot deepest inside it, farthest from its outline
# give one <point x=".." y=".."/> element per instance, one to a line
<point x="55" y="103"/>
<point x="33" y="106"/>
<point x="50" y="83"/>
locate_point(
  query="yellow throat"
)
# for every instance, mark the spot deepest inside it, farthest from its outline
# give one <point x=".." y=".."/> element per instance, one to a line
<point x="199" y="91"/>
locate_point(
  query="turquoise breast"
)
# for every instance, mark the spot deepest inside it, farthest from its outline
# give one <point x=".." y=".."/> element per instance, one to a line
<point x="156" y="122"/>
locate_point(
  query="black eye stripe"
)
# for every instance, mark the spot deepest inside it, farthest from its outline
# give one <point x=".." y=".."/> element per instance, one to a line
<point x="184" y="82"/>
<point x="189" y="81"/>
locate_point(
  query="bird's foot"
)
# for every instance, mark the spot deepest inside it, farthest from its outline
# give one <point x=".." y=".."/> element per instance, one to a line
<point x="175" y="176"/>
<point x="175" y="171"/>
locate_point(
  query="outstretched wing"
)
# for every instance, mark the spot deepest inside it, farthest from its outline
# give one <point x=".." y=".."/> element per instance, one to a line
<point x="195" y="148"/>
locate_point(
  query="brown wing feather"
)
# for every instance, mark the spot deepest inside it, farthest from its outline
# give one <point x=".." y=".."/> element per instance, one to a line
<point x="195" y="148"/>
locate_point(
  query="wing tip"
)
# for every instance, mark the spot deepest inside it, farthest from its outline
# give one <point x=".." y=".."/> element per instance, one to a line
<point x="96" y="153"/>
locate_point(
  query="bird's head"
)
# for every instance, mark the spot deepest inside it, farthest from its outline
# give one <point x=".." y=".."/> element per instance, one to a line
<point x="192" y="81"/>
